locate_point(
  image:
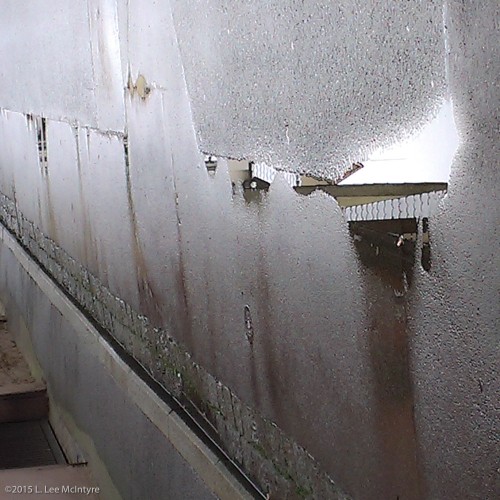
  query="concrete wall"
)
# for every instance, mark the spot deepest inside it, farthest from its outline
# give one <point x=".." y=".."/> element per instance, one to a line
<point x="310" y="86"/>
<point x="308" y="364"/>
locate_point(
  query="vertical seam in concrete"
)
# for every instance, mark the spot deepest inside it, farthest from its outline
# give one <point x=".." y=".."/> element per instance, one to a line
<point x="94" y="107"/>
<point x="183" y="71"/>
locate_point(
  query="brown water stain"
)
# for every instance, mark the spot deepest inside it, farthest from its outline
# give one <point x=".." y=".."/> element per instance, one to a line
<point x="148" y="301"/>
<point x="392" y="383"/>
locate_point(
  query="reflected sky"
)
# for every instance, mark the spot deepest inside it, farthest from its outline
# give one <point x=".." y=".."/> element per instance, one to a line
<point x="425" y="157"/>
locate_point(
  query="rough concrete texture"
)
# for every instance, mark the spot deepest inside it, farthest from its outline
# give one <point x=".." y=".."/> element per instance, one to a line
<point x="455" y="311"/>
<point x="337" y="361"/>
<point x="309" y="86"/>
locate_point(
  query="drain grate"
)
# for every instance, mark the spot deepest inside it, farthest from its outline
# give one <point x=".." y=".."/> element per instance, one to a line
<point x="28" y="444"/>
